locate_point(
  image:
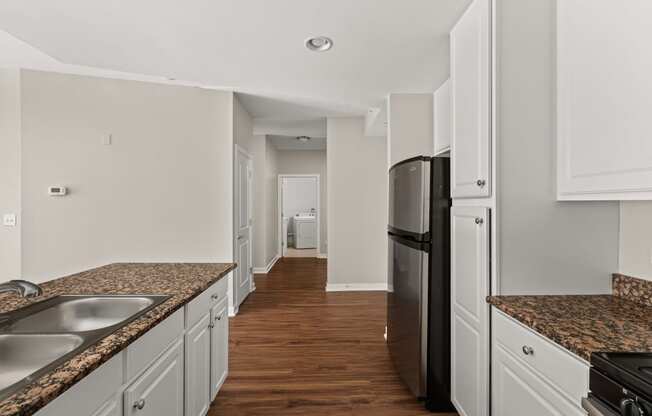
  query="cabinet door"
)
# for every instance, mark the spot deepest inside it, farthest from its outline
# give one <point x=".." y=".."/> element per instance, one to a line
<point x="470" y="312"/>
<point x="470" y="86"/>
<point x="517" y="390"/>
<point x="159" y="391"/>
<point x="442" y="117"/>
<point x="219" y="346"/>
<point x="198" y="350"/>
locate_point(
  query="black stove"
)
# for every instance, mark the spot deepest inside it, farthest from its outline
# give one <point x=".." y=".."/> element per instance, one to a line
<point x="621" y="384"/>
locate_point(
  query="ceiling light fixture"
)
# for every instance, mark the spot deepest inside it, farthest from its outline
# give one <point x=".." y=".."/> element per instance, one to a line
<point x="303" y="139"/>
<point x="319" y="44"/>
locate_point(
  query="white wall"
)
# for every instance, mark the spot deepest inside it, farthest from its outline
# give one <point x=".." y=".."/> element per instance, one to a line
<point x="258" y="154"/>
<point x="10" y="256"/>
<point x="161" y="192"/>
<point x="272" y="248"/>
<point x="636" y="239"/>
<point x="410" y="126"/>
<point x="545" y="246"/>
<point x="302" y="162"/>
<point x="357" y="206"/>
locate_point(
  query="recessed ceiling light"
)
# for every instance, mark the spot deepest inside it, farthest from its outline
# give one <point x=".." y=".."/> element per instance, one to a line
<point x="319" y="44"/>
<point x="303" y="139"/>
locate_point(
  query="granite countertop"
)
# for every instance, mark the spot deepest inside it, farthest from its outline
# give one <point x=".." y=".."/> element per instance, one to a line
<point x="584" y="323"/>
<point x="182" y="281"/>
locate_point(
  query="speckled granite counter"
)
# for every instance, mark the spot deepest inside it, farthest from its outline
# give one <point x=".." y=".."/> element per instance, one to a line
<point x="183" y="281"/>
<point x="583" y="324"/>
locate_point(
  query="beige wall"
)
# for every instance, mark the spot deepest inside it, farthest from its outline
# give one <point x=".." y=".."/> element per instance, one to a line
<point x="410" y="126"/>
<point x="272" y="248"/>
<point x="357" y="206"/>
<point x="161" y="191"/>
<point x="10" y="258"/>
<point x="258" y="154"/>
<point x="636" y="239"/>
<point x="302" y="162"/>
<point x="545" y="246"/>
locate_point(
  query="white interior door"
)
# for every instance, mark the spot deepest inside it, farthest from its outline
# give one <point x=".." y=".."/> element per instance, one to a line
<point x="470" y="312"/>
<point x="243" y="276"/>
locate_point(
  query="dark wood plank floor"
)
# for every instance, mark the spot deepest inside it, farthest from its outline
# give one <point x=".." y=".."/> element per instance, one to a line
<point x="297" y="350"/>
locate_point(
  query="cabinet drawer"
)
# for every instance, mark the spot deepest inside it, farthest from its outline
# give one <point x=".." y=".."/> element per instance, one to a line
<point x="518" y="391"/>
<point x="146" y="349"/>
<point x="159" y="391"/>
<point x="198" y="307"/>
<point x="563" y="370"/>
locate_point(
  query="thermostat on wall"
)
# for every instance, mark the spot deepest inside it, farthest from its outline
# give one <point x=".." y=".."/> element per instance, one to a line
<point x="57" y="190"/>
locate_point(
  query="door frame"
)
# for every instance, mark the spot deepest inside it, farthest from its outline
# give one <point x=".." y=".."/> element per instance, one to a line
<point x="280" y="209"/>
<point x="233" y="308"/>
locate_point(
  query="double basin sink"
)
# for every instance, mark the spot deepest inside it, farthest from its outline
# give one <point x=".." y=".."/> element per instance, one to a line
<point x="38" y="338"/>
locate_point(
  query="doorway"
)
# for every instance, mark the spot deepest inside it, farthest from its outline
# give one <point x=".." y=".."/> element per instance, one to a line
<point x="299" y="219"/>
<point x="242" y="282"/>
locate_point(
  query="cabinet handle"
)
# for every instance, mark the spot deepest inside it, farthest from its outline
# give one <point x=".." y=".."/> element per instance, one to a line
<point x="211" y="326"/>
<point x="527" y="350"/>
<point x="215" y="296"/>
<point x="481" y="183"/>
<point x="219" y="317"/>
<point x="139" y="404"/>
<point x="479" y="220"/>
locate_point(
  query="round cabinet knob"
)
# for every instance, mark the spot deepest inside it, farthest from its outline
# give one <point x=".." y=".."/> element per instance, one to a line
<point x="481" y="182"/>
<point x="528" y="350"/>
<point x="215" y="296"/>
<point x="139" y="404"/>
<point x="479" y="220"/>
<point x="211" y="326"/>
<point x="219" y="317"/>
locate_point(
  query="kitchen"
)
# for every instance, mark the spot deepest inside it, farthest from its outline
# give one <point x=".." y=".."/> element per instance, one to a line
<point x="110" y="176"/>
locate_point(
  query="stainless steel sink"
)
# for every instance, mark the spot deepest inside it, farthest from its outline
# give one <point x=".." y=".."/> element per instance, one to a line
<point x="22" y="355"/>
<point x="81" y="314"/>
<point x="41" y="336"/>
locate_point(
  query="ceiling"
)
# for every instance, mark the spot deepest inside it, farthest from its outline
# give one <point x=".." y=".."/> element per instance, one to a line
<point x="254" y="47"/>
<point x="291" y="143"/>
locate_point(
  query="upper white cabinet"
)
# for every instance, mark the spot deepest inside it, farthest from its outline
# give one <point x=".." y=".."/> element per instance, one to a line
<point x="469" y="312"/>
<point x="604" y="97"/>
<point x="219" y="367"/>
<point x="442" y="117"/>
<point x="470" y="43"/>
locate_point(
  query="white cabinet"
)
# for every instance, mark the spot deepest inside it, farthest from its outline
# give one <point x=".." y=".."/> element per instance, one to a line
<point x="469" y="310"/>
<point x="198" y="355"/>
<point x="113" y="407"/>
<point x="219" y="361"/>
<point x="442" y="118"/>
<point x="470" y="42"/>
<point x="531" y="372"/>
<point x="159" y="391"/>
<point x="604" y="98"/>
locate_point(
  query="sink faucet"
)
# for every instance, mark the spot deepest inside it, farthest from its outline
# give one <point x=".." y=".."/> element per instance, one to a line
<point x="22" y="287"/>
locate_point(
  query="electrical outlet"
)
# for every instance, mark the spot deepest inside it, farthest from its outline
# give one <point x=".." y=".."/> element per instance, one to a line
<point x="107" y="139"/>
<point x="9" y="220"/>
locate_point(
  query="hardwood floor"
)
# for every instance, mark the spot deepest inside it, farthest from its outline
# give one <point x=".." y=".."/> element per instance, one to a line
<point x="297" y="350"/>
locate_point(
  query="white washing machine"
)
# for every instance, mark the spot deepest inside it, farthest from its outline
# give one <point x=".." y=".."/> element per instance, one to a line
<point x="305" y="231"/>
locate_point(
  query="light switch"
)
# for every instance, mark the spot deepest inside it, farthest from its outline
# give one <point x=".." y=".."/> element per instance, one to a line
<point x="9" y="220"/>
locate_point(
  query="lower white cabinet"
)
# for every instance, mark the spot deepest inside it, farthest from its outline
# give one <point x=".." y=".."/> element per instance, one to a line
<point x="219" y="360"/>
<point x="198" y="355"/>
<point x="469" y="310"/>
<point x="531" y="373"/>
<point x="158" y="391"/>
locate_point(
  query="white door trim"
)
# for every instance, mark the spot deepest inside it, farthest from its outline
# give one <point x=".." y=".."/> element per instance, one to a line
<point x="279" y="199"/>
<point x="233" y="307"/>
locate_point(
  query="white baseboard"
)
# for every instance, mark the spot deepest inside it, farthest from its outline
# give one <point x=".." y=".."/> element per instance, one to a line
<point x="232" y="312"/>
<point x="266" y="269"/>
<point x="322" y="256"/>
<point x="356" y="287"/>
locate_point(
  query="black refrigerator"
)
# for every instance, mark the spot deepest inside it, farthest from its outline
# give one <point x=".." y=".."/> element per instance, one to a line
<point x="418" y="306"/>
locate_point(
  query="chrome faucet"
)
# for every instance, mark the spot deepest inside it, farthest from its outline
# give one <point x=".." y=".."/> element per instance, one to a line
<point x="22" y="287"/>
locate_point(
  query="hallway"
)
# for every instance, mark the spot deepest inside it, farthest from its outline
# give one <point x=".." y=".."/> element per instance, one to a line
<point x="297" y="350"/>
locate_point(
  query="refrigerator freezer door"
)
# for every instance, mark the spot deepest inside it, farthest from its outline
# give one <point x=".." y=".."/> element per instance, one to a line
<point x="406" y="312"/>
<point x="409" y="198"/>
